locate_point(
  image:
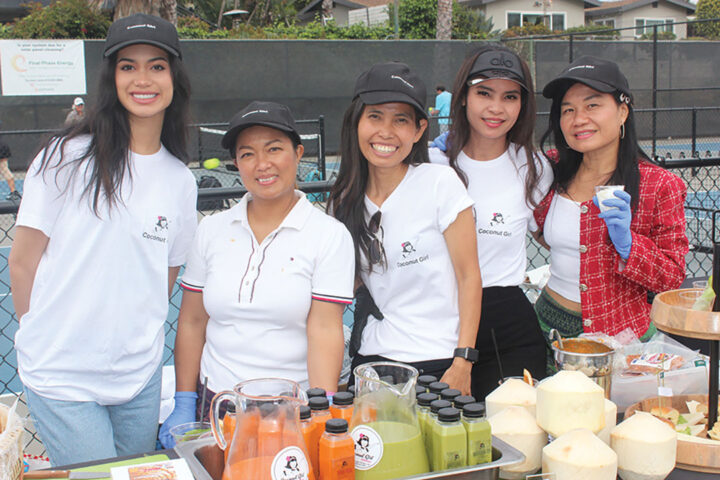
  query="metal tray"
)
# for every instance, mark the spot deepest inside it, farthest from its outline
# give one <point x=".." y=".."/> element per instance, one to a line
<point x="206" y="462"/>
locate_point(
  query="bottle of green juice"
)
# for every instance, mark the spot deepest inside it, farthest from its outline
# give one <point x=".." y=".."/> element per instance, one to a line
<point x="423" y="410"/>
<point x="430" y="422"/>
<point x="479" y="436"/>
<point x="449" y="441"/>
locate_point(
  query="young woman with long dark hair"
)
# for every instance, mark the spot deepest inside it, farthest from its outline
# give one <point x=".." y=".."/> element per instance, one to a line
<point x="410" y="223"/>
<point x="104" y="226"/>
<point x="604" y="261"/>
<point x="491" y="148"/>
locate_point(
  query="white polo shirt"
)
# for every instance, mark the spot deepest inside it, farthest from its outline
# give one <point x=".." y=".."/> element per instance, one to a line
<point x="95" y="328"/>
<point x="417" y="293"/>
<point x="502" y="216"/>
<point x="258" y="296"/>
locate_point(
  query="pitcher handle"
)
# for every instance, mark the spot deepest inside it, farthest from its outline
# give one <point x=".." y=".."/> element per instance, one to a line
<point x="215" y="423"/>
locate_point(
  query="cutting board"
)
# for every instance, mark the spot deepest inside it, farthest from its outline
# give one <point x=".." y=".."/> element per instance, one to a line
<point x="105" y="467"/>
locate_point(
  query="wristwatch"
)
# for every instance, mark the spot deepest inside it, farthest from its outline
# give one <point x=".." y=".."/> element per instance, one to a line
<point x="469" y="354"/>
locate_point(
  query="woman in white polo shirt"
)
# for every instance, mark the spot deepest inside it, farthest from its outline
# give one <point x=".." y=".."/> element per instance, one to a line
<point x="491" y="148"/>
<point x="267" y="281"/>
<point x="413" y="230"/>
<point x="107" y="217"/>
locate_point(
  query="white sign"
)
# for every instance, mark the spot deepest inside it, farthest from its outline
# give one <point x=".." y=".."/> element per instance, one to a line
<point x="42" y="67"/>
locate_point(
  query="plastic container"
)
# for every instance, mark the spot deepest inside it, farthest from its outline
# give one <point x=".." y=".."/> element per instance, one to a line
<point x="449" y="441"/>
<point x="320" y="413"/>
<point x="337" y="451"/>
<point x="306" y="429"/>
<point x="423" y="410"/>
<point x="479" y="435"/>
<point x="435" y="407"/>
<point x="342" y="406"/>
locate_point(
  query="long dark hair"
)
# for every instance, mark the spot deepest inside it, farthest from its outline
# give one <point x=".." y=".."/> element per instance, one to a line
<point x="521" y="134"/>
<point x="106" y="158"/>
<point x="568" y="161"/>
<point x="347" y="197"/>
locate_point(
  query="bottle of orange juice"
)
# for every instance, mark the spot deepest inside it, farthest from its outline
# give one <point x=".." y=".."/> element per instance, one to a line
<point x="307" y="428"/>
<point x="342" y="406"/>
<point x="337" y="451"/>
<point x="319" y="406"/>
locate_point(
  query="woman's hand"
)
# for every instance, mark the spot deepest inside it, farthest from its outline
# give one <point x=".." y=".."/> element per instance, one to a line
<point x="618" y="221"/>
<point x="458" y="375"/>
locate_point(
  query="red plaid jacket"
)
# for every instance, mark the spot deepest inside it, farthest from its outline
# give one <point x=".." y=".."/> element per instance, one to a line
<point x="613" y="292"/>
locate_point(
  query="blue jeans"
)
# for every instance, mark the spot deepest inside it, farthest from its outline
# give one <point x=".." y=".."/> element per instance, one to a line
<point x="75" y="432"/>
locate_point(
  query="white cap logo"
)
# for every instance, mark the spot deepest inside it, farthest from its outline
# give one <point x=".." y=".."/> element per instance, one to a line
<point x="590" y="67"/>
<point x="254" y="112"/>
<point x="396" y="77"/>
<point x="142" y="25"/>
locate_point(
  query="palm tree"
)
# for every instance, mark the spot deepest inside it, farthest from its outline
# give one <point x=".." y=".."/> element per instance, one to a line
<point x="444" y="20"/>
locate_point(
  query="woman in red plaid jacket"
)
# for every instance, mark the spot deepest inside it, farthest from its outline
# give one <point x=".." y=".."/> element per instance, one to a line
<point x="607" y="254"/>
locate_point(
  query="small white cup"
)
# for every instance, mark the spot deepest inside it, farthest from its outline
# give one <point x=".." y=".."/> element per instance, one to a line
<point x="606" y="192"/>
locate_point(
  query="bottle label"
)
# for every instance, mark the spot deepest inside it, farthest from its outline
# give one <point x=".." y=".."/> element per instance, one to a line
<point x="368" y="447"/>
<point x="454" y="459"/>
<point x="290" y="464"/>
<point x="344" y="468"/>
<point x="480" y="452"/>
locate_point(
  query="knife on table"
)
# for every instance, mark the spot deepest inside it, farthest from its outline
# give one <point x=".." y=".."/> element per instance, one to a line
<point x="70" y="474"/>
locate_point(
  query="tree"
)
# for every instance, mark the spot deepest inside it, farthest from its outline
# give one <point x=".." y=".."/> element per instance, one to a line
<point x="444" y="19"/>
<point x="707" y="9"/>
<point x="419" y="19"/>
<point x="166" y="9"/>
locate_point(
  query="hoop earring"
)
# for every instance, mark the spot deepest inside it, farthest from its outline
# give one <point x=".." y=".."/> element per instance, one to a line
<point x="622" y="131"/>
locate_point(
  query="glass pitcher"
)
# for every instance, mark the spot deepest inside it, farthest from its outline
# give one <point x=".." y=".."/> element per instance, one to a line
<point x="267" y="443"/>
<point x="385" y="428"/>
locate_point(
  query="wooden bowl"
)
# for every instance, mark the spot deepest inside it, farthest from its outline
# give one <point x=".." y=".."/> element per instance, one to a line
<point x="672" y="312"/>
<point x="698" y="457"/>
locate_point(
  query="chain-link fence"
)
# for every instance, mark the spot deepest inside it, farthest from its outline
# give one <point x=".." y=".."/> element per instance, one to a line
<point x="702" y="177"/>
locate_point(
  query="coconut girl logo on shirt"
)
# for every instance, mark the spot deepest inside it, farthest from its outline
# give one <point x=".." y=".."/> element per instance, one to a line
<point x="290" y="464"/>
<point x="368" y="447"/>
<point x="497" y="221"/>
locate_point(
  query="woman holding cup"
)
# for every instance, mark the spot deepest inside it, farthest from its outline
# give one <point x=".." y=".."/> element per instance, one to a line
<point x="613" y="221"/>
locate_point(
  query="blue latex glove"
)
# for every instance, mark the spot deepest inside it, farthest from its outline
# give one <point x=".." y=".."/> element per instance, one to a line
<point x="440" y="142"/>
<point x="184" y="412"/>
<point x="618" y="221"/>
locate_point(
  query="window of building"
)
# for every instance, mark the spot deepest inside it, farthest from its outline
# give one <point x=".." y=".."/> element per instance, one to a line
<point x="555" y="21"/>
<point x="607" y="22"/>
<point x="644" y="25"/>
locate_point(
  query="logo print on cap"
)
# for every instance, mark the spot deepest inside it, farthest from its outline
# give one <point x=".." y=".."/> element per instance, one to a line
<point x="501" y="61"/>
<point x="253" y="112"/>
<point x="142" y="25"/>
<point x="403" y="80"/>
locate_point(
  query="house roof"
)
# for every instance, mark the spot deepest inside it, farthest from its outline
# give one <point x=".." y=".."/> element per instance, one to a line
<point x="478" y="3"/>
<point x="372" y="3"/>
<point x="610" y="8"/>
<point x="316" y="5"/>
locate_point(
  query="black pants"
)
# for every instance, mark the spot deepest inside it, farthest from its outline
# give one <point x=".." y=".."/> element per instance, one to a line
<point x="429" y="367"/>
<point x="521" y="345"/>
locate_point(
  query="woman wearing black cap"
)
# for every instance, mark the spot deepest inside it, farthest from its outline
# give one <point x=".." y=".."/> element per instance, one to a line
<point x="607" y="254"/>
<point x="411" y="222"/>
<point x="491" y="149"/>
<point x="267" y="281"/>
<point x="107" y="217"/>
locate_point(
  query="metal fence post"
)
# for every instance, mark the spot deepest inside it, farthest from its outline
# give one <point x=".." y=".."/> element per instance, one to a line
<point x="321" y="146"/>
<point x="693" y="129"/>
<point x="570" y="45"/>
<point x="654" y="92"/>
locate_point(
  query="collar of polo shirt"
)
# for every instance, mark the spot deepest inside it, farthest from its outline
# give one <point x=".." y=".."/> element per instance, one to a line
<point x="295" y="219"/>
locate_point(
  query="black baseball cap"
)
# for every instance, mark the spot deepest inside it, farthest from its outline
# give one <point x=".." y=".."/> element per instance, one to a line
<point x="597" y="73"/>
<point x="142" y="28"/>
<point x="391" y="82"/>
<point x="497" y="64"/>
<point x="269" y="114"/>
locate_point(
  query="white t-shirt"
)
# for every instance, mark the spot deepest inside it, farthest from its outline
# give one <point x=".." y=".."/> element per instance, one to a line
<point x="562" y="234"/>
<point x="417" y="293"/>
<point x="258" y="296"/>
<point x="95" y="328"/>
<point x="502" y="216"/>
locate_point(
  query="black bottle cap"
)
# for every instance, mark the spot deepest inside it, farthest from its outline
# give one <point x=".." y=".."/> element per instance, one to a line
<point x="425" y="380"/>
<point x="319" y="403"/>
<point x="304" y="412"/>
<point x="343" y="398"/>
<point x="315" y="392"/>
<point x="449" y="414"/>
<point x="419" y="389"/>
<point x="437" y="387"/>
<point x="425" y="399"/>
<point x="449" y="394"/>
<point x="436" y="405"/>
<point x="351" y="389"/>
<point x="474" y="410"/>
<point x="336" y="425"/>
<point x="462" y="400"/>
